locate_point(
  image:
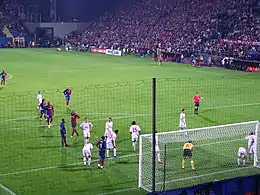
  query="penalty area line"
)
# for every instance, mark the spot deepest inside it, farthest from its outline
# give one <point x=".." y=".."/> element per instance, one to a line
<point x="7" y="190"/>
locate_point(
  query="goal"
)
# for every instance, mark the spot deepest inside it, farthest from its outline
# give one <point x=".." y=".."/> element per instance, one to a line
<point x="215" y="156"/>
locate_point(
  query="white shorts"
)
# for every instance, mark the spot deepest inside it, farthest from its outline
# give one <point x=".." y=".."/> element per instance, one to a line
<point x="157" y="149"/>
<point x="86" y="134"/>
<point x="252" y="149"/>
<point x="110" y="145"/>
<point x="241" y="153"/>
<point x="182" y="125"/>
<point x="86" y="153"/>
<point x="134" y="138"/>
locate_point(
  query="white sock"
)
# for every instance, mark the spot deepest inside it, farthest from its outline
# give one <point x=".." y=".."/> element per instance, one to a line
<point x="238" y="162"/>
<point x="134" y="146"/>
<point x="159" y="157"/>
<point x="244" y="162"/>
<point x="84" y="161"/>
<point x="107" y="152"/>
<point x="89" y="161"/>
<point x="98" y="165"/>
<point x="114" y="152"/>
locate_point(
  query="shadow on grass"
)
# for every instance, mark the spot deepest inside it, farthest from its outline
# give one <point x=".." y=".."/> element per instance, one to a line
<point x="208" y="120"/>
<point x="44" y="147"/>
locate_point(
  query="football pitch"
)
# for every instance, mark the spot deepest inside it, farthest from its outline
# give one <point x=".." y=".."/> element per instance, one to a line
<point x="32" y="161"/>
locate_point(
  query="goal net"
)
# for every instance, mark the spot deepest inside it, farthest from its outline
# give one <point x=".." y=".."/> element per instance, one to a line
<point x="215" y="156"/>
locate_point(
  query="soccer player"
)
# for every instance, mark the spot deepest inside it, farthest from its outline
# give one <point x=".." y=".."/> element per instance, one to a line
<point x="39" y="99"/>
<point x="182" y="124"/>
<point x="134" y="131"/>
<point x="108" y="127"/>
<point x="43" y="109"/>
<point x="157" y="148"/>
<point x="3" y="75"/>
<point x="111" y="142"/>
<point x="63" y="134"/>
<point x="196" y="100"/>
<point x="241" y="154"/>
<point x="86" y="152"/>
<point x="251" y="138"/>
<point x="187" y="152"/>
<point x="49" y="114"/>
<point x="67" y="93"/>
<point x="74" y="118"/>
<point x="86" y="126"/>
<point x="102" y="151"/>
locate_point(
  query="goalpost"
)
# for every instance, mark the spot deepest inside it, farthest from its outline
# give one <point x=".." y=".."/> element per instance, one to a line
<point x="215" y="156"/>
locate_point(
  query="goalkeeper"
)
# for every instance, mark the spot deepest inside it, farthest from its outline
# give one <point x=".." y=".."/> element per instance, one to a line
<point x="187" y="152"/>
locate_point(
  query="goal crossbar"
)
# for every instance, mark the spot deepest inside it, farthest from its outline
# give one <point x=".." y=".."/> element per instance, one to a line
<point x="216" y="138"/>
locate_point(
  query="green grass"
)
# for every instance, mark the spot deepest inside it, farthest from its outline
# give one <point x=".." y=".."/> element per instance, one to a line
<point x="32" y="161"/>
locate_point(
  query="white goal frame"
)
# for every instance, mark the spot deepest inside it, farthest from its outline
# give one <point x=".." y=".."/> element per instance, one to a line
<point x="182" y="132"/>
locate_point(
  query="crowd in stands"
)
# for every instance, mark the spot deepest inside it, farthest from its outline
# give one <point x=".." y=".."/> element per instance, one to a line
<point x="9" y="18"/>
<point x="189" y="27"/>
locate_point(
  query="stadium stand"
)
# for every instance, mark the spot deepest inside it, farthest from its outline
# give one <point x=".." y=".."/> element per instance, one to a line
<point x="190" y="27"/>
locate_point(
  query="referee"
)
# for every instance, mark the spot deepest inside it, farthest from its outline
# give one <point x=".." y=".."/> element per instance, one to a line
<point x="196" y="101"/>
<point x="187" y="152"/>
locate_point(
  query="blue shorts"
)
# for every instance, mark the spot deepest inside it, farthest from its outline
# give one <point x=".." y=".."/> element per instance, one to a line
<point x="3" y="78"/>
<point x="102" y="155"/>
<point x="67" y="98"/>
<point x="49" y="116"/>
<point x="63" y="135"/>
<point x="42" y="112"/>
<point x="73" y="126"/>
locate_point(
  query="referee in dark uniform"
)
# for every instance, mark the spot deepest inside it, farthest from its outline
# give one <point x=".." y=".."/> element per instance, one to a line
<point x="187" y="152"/>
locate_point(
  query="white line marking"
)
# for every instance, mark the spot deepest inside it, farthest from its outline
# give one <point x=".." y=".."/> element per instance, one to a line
<point x="124" y="156"/>
<point x="11" y="76"/>
<point x="118" y="191"/>
<point x="7" y="190"/>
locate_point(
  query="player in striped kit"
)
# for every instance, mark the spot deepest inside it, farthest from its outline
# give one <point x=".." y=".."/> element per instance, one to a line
<point x="241" y="154"/>
<point x="251" y="138"/>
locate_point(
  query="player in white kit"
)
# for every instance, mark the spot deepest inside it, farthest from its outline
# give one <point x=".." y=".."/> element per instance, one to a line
<point x="111" y="142"/>
<point x="251" y="138"/>
<point x="39" y="99"/>
<point x="157" y="148"/>
<point x="182" y="124"/>
<point x="134" y="131"/>
<point x="108" y="127"/>
<point x="241" y="155"/>
<point x="86" y="153"/>
<point x="86" y="126"/>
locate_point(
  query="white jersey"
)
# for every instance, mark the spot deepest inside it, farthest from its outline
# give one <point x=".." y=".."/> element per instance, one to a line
<point x="86" y="127"/>
<point x="111" y="140"/>
<point x="241" y="152"/>
<point x="108" y="128"/>
<point x="135" y="131"/>
<point x="39" y="98"/>
<point x="251" y="144"/>
<point x="182" y="120"/>
<point x="87" y="149"/>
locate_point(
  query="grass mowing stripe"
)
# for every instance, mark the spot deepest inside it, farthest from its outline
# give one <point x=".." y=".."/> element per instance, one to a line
<point x="124" y="156"/>
<point x="140" y="115"/>
<point x="7" y="190"/>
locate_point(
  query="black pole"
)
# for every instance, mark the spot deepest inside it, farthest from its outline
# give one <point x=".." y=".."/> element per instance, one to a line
<point x="153" y="129"/>
<point x="164" y="169"/>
